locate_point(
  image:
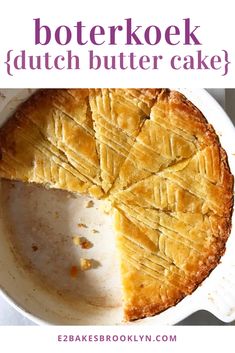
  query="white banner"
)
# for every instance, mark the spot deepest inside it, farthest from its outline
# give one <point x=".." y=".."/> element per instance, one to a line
<point x="121" y="44"/>
<point x="119" y="339"/>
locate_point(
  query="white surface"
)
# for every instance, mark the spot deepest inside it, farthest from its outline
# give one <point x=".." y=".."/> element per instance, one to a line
<point x="9" y="316"/>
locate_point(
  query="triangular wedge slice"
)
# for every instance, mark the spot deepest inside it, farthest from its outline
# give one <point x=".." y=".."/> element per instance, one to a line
<point x="188" y="206"/>
<point x="202" y="183"/>
<point x="157" y="192"/>
<point x="156" y="273"/>
<point x="118" y="116"/>
<point x="176" y="130"/>
<point x="41" y="131"/>
<point x="193" y="194"/>
<point x="207" y="176"/>
<point x="193" y="229"/>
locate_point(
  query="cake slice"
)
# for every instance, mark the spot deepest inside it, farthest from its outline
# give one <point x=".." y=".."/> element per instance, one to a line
<point x="158" y="273"/>
<point x="26" y="157"/>
<point x="185" y="211"/>
<point x="193" y="197"/>
<point x="175" y="131"/>
<point x="207" y="176"/>
<point x="118" y="116"/>
<point x="39" y="131"/>
<point x="200" y="184"/>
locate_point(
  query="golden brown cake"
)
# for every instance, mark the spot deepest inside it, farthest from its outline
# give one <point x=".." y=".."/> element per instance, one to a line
<point x="118" y="117"/>
<point x="152" y="153"/>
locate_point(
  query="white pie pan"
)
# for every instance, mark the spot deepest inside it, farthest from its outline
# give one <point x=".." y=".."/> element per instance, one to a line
<point x="38" y="283"/>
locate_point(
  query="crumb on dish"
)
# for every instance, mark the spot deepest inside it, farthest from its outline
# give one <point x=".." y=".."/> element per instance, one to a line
<point x="90" y="204"/>
<point x="95" y="231"/>
<point x="82" y="241"/>
<point x="85" y="264"/>
<point x="82" y="225"/>
<point x="74" y="271"/>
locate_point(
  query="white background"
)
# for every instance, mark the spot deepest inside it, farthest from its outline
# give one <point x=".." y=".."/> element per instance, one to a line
<point x="216" y="33"/>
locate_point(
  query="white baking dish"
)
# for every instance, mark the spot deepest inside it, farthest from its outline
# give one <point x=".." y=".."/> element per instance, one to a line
<point x="41" y="287"/>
